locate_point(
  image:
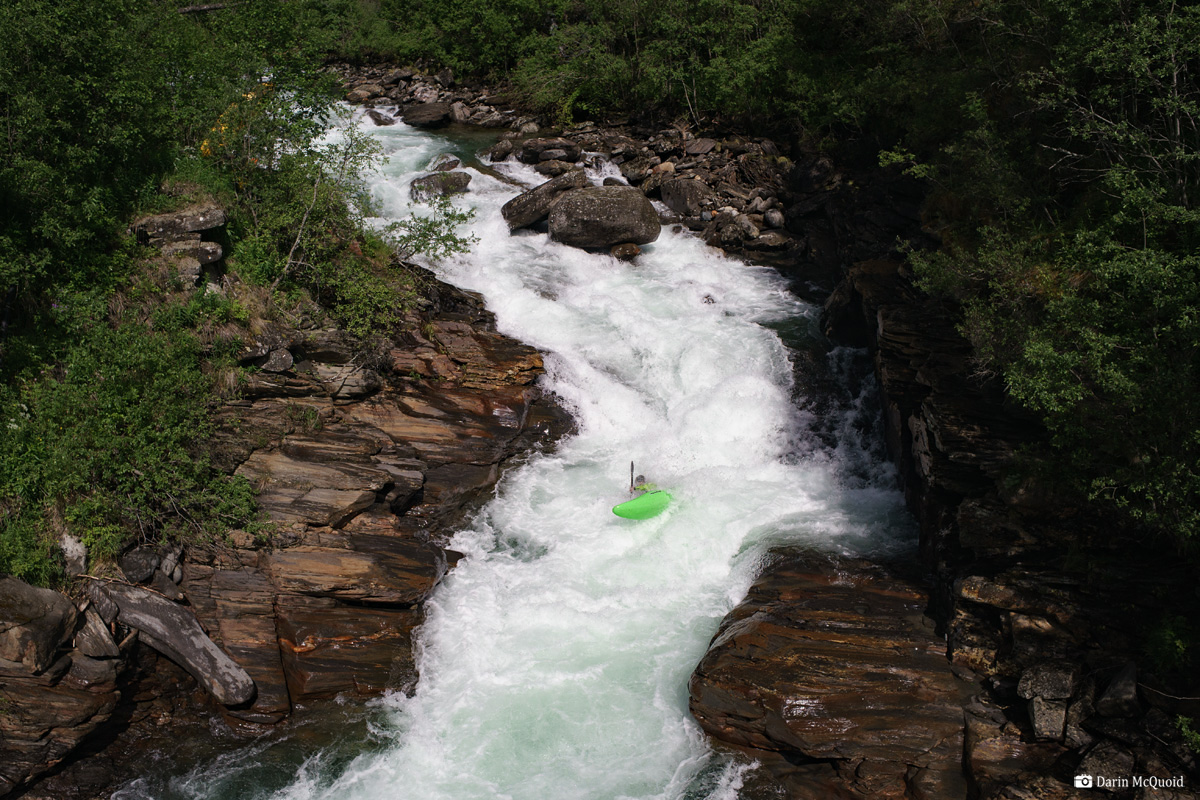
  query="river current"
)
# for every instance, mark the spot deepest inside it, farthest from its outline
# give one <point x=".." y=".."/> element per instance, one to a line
<point x="555" y="657"/>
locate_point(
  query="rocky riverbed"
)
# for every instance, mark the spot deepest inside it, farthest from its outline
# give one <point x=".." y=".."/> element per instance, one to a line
<point x="993" y="670"/>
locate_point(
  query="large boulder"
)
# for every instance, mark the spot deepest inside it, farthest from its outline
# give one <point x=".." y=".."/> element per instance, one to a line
<point x="533" y="206"/>
<point x="603" y="216"/>
<point x="427" y="115"/>
<point x="687" y="197"/>
<point x="33" y="623"/>
<point x="557" y="149"/>
<point x="439" y="184"/>
<point x="174" y="631"/>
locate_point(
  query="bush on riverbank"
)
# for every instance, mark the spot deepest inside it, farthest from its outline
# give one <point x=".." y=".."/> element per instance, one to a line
<point x="108" y="371"/>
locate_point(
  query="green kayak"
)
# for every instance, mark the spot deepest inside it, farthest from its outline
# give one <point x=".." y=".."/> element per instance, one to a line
<point x="645" y="506"/>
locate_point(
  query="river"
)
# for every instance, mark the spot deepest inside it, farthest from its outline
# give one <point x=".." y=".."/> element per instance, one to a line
<point x="555" y="657"/>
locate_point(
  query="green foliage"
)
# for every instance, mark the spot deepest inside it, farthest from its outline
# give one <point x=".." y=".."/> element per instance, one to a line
<point x="1173" y="645"/>
<point x="105" y="413"/>
<point x="1191" y="737"/>
<point x="96" y="98"/>
<point x="433" y="234"/>
<point x="1072" y="238"/>
<point x="27" y="551"/>
<point x="79" y="140"/>
<point x="108" y="444"/>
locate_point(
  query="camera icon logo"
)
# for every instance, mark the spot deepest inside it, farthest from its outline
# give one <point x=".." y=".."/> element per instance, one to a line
<point x="1083" y="781"/>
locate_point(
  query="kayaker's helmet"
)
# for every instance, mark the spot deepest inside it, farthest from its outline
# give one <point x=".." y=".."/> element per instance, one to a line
<point x="640" y="480"/>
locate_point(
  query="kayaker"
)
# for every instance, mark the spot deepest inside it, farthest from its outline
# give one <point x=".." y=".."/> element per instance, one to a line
<point x="640" y="485"/>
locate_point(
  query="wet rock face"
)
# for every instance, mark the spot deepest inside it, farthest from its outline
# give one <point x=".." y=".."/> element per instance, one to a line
<point x="826" y="661"/>
<point x="330" y="650"/>
<point x="603" y="216"/>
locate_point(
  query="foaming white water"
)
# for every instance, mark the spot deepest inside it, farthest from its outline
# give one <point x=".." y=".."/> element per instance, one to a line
<point x="555" y="658"/>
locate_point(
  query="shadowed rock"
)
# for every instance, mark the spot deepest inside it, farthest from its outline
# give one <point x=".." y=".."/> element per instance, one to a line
<point x="555" y="149"/>
<point x="328" y="649"/>
<point x="686" y="196"/>
<point x="174" y="631"/>
<point x="94" y="639"/>
<point x="427" y="115"/>
<point x="244" y="605"/>
<point x="835" y="661"/>
<point x="33" y="623"/>
<point x="603" y="216"/>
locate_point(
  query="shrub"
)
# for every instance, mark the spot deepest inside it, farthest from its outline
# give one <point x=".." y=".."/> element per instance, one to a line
<point x="110" y="440"/>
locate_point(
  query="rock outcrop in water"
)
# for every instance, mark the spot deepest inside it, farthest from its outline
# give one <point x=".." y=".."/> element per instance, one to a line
<point x="603" y="216"/>
<point x="533" y="206"/>
<point x="832" y="663"/>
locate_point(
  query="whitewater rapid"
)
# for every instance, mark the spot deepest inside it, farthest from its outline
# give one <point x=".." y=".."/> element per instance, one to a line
<point x="555" y="657"/>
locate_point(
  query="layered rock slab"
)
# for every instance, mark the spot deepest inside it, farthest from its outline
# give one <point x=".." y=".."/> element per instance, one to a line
<point x="835" y="661"/>
<point x="380" y="570"/>
<point x="330" y="649"/>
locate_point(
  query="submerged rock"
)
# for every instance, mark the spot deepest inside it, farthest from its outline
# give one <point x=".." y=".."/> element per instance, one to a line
<point x="625" y="252"/>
